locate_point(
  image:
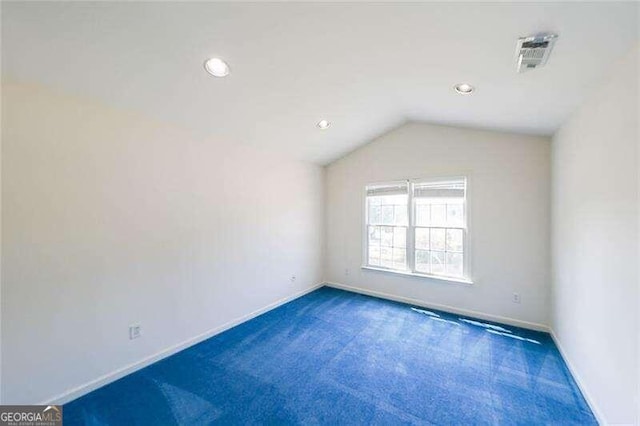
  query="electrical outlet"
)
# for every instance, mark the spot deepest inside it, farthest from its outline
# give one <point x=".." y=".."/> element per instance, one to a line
<point x="135" y="331"/>
<point x="293" y="278"/>
<point x="516" y="297"/>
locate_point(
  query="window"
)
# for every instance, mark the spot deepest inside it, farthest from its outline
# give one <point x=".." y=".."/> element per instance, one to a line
<point x="387" y="225"/>
<point x="418" y="227"/>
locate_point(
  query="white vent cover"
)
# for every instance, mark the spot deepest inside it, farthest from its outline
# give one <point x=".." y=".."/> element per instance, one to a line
<point x="532" y="52"/>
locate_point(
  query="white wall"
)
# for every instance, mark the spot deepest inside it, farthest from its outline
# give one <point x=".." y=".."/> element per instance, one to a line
<point x="111" y="219"/>
<point x="595" y="243"/>
<point x="509" y="217"/>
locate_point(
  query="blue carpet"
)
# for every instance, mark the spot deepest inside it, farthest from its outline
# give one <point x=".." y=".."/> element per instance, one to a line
<point x="334" y="357"/>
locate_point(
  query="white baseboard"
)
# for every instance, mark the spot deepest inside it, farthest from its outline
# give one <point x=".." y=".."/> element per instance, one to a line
<point x="445" y="308"/>
<point x="592" y="403"/>
<point x="105" y="379"/>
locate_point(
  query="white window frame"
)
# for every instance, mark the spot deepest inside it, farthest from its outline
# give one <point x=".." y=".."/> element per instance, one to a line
<point x="410" y="242"/>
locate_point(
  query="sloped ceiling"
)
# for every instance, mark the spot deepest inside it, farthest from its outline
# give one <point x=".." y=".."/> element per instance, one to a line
<point x="365" y="67"/>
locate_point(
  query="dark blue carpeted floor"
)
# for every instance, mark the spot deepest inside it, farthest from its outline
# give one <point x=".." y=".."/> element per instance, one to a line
<point x="333" y="357"/>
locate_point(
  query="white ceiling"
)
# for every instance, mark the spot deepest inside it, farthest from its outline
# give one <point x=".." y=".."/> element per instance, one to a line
<point x="365" y="67"/>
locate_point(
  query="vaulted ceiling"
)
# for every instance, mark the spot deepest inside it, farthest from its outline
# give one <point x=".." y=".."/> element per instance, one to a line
<point x="365" y="67"/>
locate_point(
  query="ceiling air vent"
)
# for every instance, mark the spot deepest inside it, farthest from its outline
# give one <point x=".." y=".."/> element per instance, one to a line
<point x="532" y="52"/>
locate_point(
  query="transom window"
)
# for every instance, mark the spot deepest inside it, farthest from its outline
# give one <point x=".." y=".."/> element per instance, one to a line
<point x="418" y="227"/>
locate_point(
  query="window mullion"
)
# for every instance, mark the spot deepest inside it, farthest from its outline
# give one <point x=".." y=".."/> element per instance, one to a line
<point x="411" y="235"/>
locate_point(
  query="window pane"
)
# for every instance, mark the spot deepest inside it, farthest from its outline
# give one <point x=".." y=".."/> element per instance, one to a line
<point x="374" y="235"/>
<point x="401" y="216"/>
<point x="393" y="199"/>
<point x="438" y="214"/>
<point x="374" y="255"/>
<point x="423" y="213"/>
<point x="400" y="237"/>
<point x="399" y="258"/>
<point x="422" y="238"/>
<point x="374" y="201"/>
<point x="387" y="231"/>
<point x="437" y="239"/>
<point x="454" y="240"/>
<point x="437" y="262"/>
<point x="454" y="264"/>
<point x="375" y="214"/>
<point x="422" y="261"/>
<point x="386" y="236"/>
<point x="455" y="215"/>
<point x="386" y="257"/>
<point x="387" y="215"/>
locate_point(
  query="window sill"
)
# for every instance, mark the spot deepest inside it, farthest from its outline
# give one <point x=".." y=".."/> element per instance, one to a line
<point x="419" y="275"/>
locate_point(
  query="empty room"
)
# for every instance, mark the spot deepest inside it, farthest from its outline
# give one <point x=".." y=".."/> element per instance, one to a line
<point x="319" y="213"/>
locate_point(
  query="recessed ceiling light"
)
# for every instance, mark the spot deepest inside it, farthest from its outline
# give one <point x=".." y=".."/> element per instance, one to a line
<point x="216" y="67"/>
<point x="323" y="124"/>
<point x="464" y="88"/>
